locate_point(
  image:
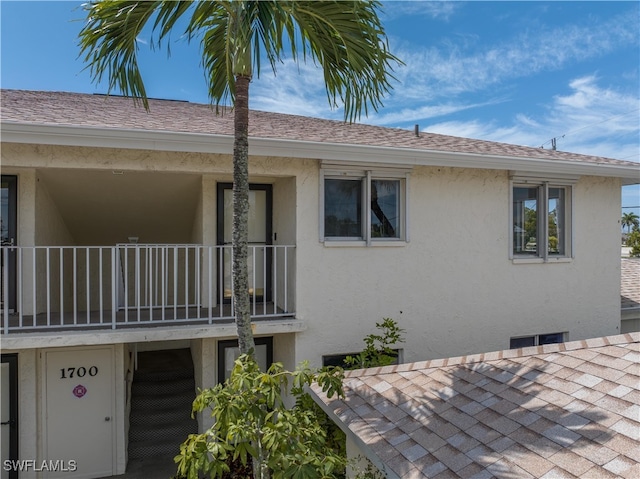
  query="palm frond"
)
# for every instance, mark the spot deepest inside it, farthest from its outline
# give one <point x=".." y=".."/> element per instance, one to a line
<point x="345" y="38"/>
<point x="109" y="40"/>
<point x="348" y="41"/>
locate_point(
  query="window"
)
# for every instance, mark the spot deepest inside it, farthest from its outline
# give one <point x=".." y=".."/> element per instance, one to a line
<point x="531" y="237"/>
<point x="536" y="340"/>
<point x="363" y="205"/>
<point x="228" y="352"/>
<point x="339" y="359"/>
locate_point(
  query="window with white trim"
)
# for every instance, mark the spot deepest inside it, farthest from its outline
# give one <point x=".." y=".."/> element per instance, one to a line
<point x="533" y="201"/>
<point x="363" y="205"/>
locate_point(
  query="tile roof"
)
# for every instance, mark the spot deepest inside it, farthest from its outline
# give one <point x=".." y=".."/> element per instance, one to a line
<point x="555" y="411"/>
<point x="74" y="109"/>
<point x="630" y="284"/>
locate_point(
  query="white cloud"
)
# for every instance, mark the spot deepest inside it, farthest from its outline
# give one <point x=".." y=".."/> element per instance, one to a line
<point x="590" y="119"/>
<point x="295" y="89"/>
<point x="459" y="76"/>
<point x="457" y="67"/>
<point x="437" y="10"/>
<point x="423" y="112"/>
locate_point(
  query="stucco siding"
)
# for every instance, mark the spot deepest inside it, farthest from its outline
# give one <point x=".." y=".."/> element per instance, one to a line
<point x="453" y="287"/>
<point x="50" y="226"/>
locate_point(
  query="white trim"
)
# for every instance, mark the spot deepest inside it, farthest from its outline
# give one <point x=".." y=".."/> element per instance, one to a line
<point x="338" y="152"/>
<point x="160" y="333"/>
<point x="367" y="208"/>
<point x="321" y="207"/>
<point x="406" y="208"/>
<point x="542" y="253"/>
<point x="544" y="247"/>
<point x="366" y="176"/>
<point x="535" y="178"/>
<point x="391" y="242"/>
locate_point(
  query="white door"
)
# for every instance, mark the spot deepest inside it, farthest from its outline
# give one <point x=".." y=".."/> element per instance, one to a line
<point x="259" y="235"/>
<point x="79" y="412"/>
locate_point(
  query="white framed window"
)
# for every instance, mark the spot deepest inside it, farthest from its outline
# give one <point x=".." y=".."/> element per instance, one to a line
<point x="541" y="218"/>
<point x="363" y="206"/>
<point x="536" y="340"/>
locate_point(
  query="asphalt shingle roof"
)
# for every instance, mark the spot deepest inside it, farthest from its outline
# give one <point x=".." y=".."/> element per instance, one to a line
<point x="100" y="111"/>
<point x="556" y="411"/>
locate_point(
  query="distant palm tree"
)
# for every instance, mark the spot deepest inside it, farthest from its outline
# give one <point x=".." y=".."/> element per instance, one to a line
<point x="345" y="38"/>
<point x="630" y="220"/>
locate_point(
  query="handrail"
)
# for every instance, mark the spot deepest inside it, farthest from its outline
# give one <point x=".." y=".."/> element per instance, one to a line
<point x="129" y="285"/>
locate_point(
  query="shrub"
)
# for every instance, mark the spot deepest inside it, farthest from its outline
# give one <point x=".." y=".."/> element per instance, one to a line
<point x="253" y="425"/>
<point x="378" y="349"/>
<point x="633" y="240"/>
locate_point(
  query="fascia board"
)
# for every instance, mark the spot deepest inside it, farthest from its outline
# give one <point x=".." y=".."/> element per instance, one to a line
<point x="223" y="144"/>
<point x="86" y="136"/>
<point x="411" y="157"/>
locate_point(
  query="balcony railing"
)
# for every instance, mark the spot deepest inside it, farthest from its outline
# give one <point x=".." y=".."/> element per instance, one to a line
<point x="66" y="287"/>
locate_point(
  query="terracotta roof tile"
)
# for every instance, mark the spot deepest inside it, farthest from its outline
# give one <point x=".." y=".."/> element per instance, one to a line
<point x="569" y="412"/>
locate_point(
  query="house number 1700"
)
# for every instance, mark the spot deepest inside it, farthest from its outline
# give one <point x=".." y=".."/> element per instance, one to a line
<point x="78" y="372"/>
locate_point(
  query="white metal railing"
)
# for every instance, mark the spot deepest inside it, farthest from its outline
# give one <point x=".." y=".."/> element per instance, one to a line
<point x="46" y="287"/>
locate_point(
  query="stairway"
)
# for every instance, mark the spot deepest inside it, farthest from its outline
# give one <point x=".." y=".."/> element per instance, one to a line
<point x="162" y="394"/>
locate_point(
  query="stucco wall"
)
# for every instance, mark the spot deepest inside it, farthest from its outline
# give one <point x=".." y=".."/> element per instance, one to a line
<point x="50" y="227"/>
<point x="453" y="287"/>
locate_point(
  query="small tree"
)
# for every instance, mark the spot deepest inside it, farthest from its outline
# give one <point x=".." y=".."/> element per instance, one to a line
<point x="378" y="349"/>
<point x="633" y="241"/>
<point x="252" y="422"/>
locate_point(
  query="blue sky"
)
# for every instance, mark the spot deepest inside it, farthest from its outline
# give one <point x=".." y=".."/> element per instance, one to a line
<point x="516" y="72"/>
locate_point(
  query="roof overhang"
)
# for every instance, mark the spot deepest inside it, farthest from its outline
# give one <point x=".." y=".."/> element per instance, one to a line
<point x="353" y="436"/>
<point x="85" y="136"/>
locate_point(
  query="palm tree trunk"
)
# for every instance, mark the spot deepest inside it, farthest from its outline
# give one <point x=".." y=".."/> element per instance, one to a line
<point x="241" y="215"/>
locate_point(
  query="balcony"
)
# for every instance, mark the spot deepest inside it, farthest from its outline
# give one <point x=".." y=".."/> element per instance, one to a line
<point x="64" y="288"/>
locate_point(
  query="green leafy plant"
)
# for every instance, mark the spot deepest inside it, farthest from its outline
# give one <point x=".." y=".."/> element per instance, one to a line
<point x="253" y="424"/>
<point x="378" y="349"/>
<point x="633" y="241"/>
<point x="368" y="472"/>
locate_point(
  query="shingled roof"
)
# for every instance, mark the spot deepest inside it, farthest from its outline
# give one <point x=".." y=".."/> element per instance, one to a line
<point x="630" y="284"/>
<point x="555" y="411"/>
<point x="114" y="112"/>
